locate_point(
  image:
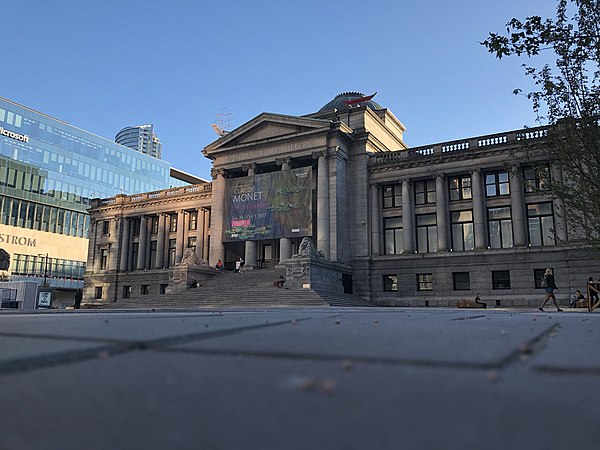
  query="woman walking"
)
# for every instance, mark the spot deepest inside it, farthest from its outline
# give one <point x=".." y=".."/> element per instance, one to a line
<point x="549" y="286"/>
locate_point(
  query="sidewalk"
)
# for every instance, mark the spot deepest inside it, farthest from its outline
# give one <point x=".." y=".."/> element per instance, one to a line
<point x="327" y="378"/>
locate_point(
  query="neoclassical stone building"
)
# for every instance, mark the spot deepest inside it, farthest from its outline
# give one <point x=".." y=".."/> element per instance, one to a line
<point x="395" y="225"/>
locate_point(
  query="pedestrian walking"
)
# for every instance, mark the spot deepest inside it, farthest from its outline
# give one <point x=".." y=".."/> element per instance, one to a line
<point x="549" y="286"/>
<point x="239" y="265"/>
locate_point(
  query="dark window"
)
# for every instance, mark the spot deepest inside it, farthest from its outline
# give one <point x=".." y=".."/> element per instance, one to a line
<point x="424" y="282"/>
<point x="105" y="227"/>
<point x="393" y="237"/>
<point x="126" y="291"/>
<point x="103" y="258"/>
<point x="172" y="251"/>
<point x="163" y="289"/>
<point x="427" y="233"/>
<point x="460" y="188"/>
<point x="540" y="221"/>
<point x="193" y="220"/>
<point x="145" y="289"/>
<point x="500" y="227"/>
<point x="424" y="192"/>
<point x="98" y="292"/>
<point x="136" y="226"/>
<point x="192" y="243"/>
<point x="538" y="277"/>
<point x="462" y="230"/>
<point x="496" y="183"/>
<point x="154" y="225"/>
<point x="392" y="196"/>
<point x="536" y="178"/>
<point x="153" y="247"/>
<point x="462" y="281"/>
<point x="501" y="279"/>
<point x="390" y="283"/>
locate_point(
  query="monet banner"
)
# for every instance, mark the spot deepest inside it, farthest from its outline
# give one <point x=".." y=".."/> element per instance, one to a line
<point x="267" y="206"/>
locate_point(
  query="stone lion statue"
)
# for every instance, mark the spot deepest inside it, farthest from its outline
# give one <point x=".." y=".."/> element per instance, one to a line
<point x="190" y="258"/>
<point x="307" y="249"/>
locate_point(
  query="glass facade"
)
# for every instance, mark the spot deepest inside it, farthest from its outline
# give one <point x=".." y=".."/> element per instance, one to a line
<point x="49" y="171"/>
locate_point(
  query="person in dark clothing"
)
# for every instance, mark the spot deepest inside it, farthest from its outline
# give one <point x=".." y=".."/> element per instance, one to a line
<point x="479" y="302"/>
<point x="78" y="297"/>
<point x="549" y="286"/>
<point x="593" y="294"/>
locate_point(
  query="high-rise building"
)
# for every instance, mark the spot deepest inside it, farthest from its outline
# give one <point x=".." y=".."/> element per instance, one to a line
<point x="49" y="172"/>
<point x="140" y="138"/>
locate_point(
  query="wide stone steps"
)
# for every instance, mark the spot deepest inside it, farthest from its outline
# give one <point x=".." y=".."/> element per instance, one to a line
<point x="244" y="290"/>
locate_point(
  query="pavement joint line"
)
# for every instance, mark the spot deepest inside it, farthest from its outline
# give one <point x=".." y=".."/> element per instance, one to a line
<point x="335" y="358"/>
<point x="480" y="316"/>
<point x="118" y="347"/>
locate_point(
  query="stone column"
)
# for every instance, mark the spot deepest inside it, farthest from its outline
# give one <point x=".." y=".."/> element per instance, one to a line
<point x="323" y="203"/>
<point x="205" y="233"/>
<point x="115" y="229"/>
<point x="200" y="233"/>
<point x="124" y="246"/>
<point x="560" y="221"/>
<point x="250" y="255"/>
<point x="91" y="257"/>
<point x="180" y="234"/>
<point x="217" y="250"/>
<point x="408" y="217"/>
<point x="140" y="265"/>
<point x="517" y="203"/>
<point x="441" y="210"/>
<point x="160" y="242"/>
<point x="285" y="244"/>
<point x="375" y="221"/>
<point x="479" y="219"/>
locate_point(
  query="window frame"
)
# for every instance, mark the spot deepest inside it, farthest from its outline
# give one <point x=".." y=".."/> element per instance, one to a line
<point x="457" y="190"/>
<point x="497" y="184"/>
<point x="424" y="284"/>
<point x="395" y="196"/>
<point x="497" y="279"/>
<point x="465" y="283"/>
<point x="539" y="219"/>
<point x="398" y="235"/>
<point x="426" y="196"/>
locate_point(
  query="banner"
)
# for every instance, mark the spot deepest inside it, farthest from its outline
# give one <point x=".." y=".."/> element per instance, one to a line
<point x="268" y="206"/>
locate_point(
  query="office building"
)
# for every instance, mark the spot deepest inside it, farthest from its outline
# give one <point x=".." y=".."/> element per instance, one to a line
<point x="141" y="138"/>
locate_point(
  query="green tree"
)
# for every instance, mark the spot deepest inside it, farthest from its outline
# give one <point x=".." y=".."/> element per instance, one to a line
<point x="567" y="96"/>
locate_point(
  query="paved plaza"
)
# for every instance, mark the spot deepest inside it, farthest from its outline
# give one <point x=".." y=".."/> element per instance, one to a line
<point x="301" y="378"/>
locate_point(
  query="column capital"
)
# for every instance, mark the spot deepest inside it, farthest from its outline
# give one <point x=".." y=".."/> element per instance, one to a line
<point x="439" y="175"/>
<point x="477" y="169"/>
<point x="247" y="167"/>
<point x="214" y="173"/>
<point x="282" y="161"/>
<point x="321" y="153"/>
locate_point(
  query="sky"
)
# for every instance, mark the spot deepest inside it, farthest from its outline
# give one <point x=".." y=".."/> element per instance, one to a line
<point x="183" y="64"/>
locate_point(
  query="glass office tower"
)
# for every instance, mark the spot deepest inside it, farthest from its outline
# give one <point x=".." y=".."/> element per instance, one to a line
<point x="49" y="171"/>
<point x="141" y="138"/>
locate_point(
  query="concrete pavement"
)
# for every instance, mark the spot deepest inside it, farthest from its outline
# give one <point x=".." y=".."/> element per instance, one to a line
<point x="330" y="378"/>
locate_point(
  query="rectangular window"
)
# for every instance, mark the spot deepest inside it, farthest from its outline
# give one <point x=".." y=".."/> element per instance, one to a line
<point x="393" y="237"/>
<point x="136" y="225"/>
<point x="135" y="249"/>
<point x="496" y="183"/>
<point x="105" y="227"/>
<point x="154" y="225"/>
<point x="460" y="188"/>
<point x="153" y="247"/>
<point x="172" y="251"/>
<point x="103" y="258"/>
<point x="538" y="277"/>
<point x="461" y="281"/>
<point x="163" y="289"/>
<point x="424" y="282"/>
<point x="427" y="233"/>
<point x="145" y="289"/>
<point x="193" y="224"/>
<point x="536" y="178"/>
<point x="390" y="283"/>
<point x="126" y="291"/>
<point x="392" y="196"/>
<point x="172" y="223"/>
<point x="541" y="224"/>
<point x="98" y="292"/>
<point x="500" y="227"/>
<point x="191" y="244"/>
<point x="424" y="192"/>
<point x="501" y="279"/>
<point x="462" y="230"/>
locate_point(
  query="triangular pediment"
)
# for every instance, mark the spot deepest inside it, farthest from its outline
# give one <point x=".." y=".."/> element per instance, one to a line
<point x="267" y="127"/>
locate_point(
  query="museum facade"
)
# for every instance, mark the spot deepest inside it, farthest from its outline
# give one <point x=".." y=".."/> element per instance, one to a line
<point x="398" y="226"/>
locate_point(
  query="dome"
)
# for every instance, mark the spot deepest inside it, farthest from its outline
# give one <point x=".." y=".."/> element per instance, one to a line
<point x="339" y="102"/>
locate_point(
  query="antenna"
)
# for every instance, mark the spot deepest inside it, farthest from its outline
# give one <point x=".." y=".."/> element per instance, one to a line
<point x="222" y="122"/>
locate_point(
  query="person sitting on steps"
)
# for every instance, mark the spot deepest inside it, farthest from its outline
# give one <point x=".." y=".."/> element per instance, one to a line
<point x="279" y="283"/>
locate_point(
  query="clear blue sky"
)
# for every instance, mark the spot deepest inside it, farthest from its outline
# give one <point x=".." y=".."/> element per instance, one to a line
<point x="104" y="65"/>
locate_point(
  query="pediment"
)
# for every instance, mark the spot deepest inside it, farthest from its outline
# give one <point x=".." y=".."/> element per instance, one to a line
<point x="267" y="127"/>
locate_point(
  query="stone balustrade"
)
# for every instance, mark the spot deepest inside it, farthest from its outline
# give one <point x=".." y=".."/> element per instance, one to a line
<point x="170" y="193"/>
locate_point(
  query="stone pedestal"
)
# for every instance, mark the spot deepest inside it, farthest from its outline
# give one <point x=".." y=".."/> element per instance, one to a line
<point x="190" y="269"/>
<point x="315" y="273"/>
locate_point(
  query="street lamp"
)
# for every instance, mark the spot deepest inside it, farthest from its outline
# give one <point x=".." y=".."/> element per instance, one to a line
<point x="45" y="268"/>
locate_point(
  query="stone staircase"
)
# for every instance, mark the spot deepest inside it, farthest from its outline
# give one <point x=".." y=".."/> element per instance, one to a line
<point x="252" y="288"/>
